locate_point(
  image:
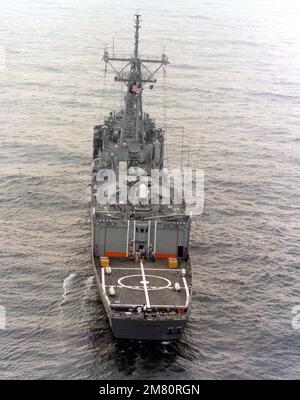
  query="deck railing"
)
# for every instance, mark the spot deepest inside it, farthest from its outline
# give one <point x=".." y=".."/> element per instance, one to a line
<point x="149" y="316"/>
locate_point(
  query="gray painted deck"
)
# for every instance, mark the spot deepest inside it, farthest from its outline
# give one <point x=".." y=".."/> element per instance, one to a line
<point x="145" y="283"/>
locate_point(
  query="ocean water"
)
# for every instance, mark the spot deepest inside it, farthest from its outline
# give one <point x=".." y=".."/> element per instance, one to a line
<point x="234" y="85"/>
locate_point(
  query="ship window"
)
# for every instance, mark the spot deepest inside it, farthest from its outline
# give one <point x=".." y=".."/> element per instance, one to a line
<point x="178" y="329"/>
<point x="146" y="230"/>
<point x="170" y="331"/>
<point x="180" y="251"/>
<point x="142" y="230"/>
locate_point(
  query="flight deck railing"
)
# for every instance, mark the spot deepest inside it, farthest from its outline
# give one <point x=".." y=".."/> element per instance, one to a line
<point x="149" y="317"/>
<point x="125" y="312"/>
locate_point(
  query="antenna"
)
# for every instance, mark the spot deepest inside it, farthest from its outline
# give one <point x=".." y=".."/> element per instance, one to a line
<point x="136" y="37"/>
<point x="182" y="140"/>
<point x="105" y="54"/>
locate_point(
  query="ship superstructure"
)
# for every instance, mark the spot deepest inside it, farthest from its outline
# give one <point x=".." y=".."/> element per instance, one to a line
<point x="140" y="243"/>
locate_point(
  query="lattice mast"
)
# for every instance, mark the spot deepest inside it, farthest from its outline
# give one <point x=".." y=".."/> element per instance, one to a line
<point x="134" y="74"/>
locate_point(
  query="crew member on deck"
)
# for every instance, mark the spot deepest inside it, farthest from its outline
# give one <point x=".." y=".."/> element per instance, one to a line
<point x="95" y="250"/>
<point x="139" y="311"/>
<point x="137" y="256"/>
<point x="130" y="252"/>
<point x="151" y="253"/>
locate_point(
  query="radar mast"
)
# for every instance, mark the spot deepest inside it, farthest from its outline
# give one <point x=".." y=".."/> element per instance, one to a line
<point x="134" y="74"/>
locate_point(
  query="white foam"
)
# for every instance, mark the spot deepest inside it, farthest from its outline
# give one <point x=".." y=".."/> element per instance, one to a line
<point x="68" y="283"/>
<point x="89" y="282"/>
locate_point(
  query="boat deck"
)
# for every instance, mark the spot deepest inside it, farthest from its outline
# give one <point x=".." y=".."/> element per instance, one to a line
<point x="145" y="283"/>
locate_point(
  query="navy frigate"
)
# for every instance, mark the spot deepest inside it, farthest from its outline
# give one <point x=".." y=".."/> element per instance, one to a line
<point x="140" y="244"/>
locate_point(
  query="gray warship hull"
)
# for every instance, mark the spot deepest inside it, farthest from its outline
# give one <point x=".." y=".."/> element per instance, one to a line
<point x="140" y="242"/>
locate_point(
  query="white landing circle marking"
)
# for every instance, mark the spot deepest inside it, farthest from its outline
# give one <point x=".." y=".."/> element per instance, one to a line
<point x="166" y="282"/>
